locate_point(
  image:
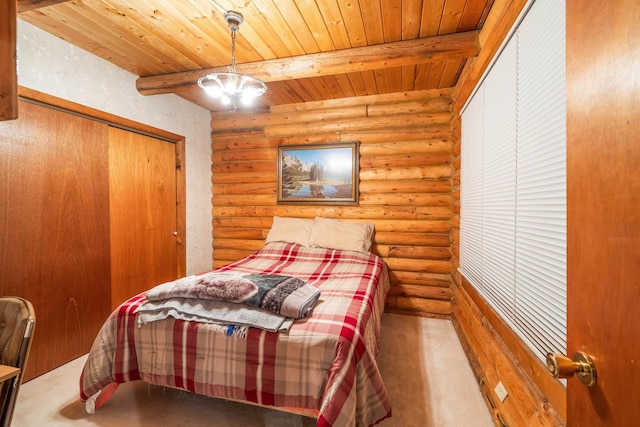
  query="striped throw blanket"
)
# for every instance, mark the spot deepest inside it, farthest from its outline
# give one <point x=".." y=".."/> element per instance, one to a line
<point x="285" y="295"/>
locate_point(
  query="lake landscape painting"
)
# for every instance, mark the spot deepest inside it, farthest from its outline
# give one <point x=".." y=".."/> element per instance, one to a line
<point x="321" y="174"/>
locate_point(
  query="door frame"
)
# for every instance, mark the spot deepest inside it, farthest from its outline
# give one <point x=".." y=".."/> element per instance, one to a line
<point x="36" y="97"/>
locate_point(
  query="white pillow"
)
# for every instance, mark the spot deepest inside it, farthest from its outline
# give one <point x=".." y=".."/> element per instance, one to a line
<point x="335" y="234"/>
<point x="290" y="230"/>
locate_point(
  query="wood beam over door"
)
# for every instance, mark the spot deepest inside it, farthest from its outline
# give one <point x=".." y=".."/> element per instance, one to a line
<point x="387" y="55"/>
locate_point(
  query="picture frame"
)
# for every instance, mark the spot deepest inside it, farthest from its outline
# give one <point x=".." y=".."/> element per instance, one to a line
<point x="325" y="174"/>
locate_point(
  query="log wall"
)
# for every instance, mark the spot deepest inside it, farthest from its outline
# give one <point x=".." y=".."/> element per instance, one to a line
<point x="405" y="190"/>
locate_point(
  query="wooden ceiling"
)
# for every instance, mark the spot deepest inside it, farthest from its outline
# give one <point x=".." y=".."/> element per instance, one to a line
<point x="305" y="50"/>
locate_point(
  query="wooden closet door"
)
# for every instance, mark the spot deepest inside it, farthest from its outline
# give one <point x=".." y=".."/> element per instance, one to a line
<point x="142" y="187"/>
<point x="54" y="228"/>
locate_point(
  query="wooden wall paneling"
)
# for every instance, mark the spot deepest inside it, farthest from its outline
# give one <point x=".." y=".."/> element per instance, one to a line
<point x="438" y="280"/>
<point x="243" y="166"/>
<point x="244" y="188"/>
<point x="405" y="186"/>
<point x="392" y="212"/>
<point x="424" y="199"/>
<point x="239" y="177"/>
<point x="403" y="173"/>
<point x="8" y="69"/>
<point x="437" y="122"/>
<point x="404" y="160"/>
<point x="400" y="134"/>
<point x="55" y="229"/>
<point x="252" y="121"/>
<point x="412" y="238"/>
<point x="405" y="143"/>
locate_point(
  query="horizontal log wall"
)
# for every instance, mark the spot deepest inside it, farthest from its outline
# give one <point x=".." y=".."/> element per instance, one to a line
<point x="405" y="170"/>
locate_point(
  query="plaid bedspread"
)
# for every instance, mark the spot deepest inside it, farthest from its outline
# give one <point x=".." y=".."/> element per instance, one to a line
<point x="325" y="362"/>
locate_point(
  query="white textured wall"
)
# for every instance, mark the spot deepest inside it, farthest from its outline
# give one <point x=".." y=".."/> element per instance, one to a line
<point x="51" y="65"/>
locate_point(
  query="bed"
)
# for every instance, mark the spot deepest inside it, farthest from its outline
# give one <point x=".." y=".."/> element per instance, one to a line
<point x="323" y="366"/>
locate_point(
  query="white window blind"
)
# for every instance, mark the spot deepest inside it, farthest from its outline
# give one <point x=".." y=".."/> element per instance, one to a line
<point x="471" y="193"/>
<point x="499" y="169"/>
<point x="513" y="182"/>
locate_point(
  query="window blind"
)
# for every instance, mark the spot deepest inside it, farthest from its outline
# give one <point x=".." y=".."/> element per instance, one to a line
<point x="471" y="196"/>
<point x="513" y="182"/>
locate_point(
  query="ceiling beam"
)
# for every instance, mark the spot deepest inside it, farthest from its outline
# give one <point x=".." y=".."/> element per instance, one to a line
<point x="387" y="55"/>
<point x="27" y="5"/>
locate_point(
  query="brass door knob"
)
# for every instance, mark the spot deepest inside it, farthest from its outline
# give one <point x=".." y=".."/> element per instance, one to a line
<point x="581" y="366"/>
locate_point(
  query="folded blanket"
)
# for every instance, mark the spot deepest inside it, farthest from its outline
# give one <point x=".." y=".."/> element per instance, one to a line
<point x="211" y="311"/>
<point x="284" y="295"/>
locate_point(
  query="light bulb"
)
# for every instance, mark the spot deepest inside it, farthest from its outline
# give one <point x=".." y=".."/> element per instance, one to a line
<point x="214" y="91"/>
<point x="230" y="87"/>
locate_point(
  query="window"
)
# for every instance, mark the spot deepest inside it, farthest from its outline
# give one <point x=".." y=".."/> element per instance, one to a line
<point x="513" y="182"/>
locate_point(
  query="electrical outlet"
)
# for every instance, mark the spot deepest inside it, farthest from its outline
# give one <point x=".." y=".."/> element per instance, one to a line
<point x="501" y="392"/>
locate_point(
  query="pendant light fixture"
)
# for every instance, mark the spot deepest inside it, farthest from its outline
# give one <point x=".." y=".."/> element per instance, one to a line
<point x="232" y="88"/>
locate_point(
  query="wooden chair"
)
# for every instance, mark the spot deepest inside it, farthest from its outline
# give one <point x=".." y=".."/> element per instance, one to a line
<point x="17" y="321"/>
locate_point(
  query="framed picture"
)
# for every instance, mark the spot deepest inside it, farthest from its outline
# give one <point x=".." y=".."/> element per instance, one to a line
<point x="318" y="174"/>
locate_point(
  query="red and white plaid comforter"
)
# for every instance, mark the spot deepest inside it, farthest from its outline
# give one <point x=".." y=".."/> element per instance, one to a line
<point x="325" y="362"/>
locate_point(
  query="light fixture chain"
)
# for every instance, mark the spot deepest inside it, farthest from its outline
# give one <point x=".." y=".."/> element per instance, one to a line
<point x="233" y="50"/>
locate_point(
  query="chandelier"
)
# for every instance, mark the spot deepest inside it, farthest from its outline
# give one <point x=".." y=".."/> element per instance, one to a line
<point x="232" y="88"/>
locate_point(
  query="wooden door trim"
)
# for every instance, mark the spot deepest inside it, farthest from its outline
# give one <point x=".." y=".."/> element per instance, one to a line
<point x="50" y="101"/>
<point x="9" y="81"/>
<point x="34" y="96"/>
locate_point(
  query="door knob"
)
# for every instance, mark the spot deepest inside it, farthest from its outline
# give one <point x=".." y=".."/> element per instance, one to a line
<point x="581" y="366"/>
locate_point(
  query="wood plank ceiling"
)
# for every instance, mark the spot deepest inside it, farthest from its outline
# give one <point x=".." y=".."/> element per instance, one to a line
<point x="306" y="50"/>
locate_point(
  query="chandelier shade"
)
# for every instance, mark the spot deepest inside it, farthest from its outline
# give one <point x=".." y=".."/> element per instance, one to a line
<point x="232" y="88"/>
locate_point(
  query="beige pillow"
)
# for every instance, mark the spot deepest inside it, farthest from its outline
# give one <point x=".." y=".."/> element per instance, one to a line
<point x="335" y="234"/>
<point x="290" y="230"/>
